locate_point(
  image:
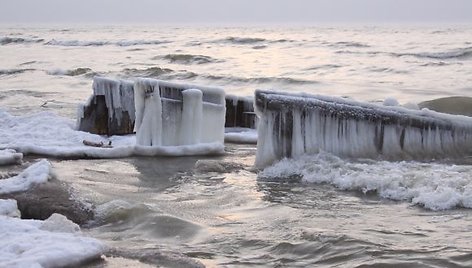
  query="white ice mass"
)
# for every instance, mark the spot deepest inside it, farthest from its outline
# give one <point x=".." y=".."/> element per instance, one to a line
<point x="291" y="125"/>
<point x="55" y="242"/>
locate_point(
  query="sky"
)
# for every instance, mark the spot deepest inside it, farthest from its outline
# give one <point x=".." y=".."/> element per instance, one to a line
<point x="235" y="11"/>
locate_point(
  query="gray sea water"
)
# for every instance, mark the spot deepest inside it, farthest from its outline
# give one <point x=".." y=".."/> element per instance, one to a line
<point x="217" y="211"/>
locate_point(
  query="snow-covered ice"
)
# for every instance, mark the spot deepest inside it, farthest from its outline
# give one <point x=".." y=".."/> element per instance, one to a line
<point x="55" y="242"/>
<point x="35" y="174"/>
<point x="9" y="157"/>
<point x="241" y="135"/>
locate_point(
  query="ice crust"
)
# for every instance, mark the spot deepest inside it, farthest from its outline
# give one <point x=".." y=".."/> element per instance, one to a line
<point x="435" y="186"/>
<point x="55" y="242"/>
<point x="170" y="114"/>
<point x="292" y="125"/>
<point x="241" y="135"/>
<point x="10" y="157"/>
<point x="48" y="134"/>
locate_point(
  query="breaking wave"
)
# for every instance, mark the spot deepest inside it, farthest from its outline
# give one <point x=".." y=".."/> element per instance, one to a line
<point x="261" y="80"/>
<point x="435" y="186"/>
<point x="188" y="59"/>
<point x="6" y="40"/>
<point x="121" y="43"/>
<point x="158" y="72"/>
<point x="73" y="72"/>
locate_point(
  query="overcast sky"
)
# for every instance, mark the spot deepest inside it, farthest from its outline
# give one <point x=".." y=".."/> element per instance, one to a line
<point x="235" y="11"/>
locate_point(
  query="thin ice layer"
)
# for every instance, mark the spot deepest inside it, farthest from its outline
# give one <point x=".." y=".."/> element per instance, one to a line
<point x="291" y="125"/>
<point x="52" y="135"/>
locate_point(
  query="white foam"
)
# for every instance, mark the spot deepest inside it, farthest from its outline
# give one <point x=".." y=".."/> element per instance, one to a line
<point x="55" y="242"/>
<point x="433" y="185"/>
<point x="35" y="174"/>
<point x="9" y="157"/>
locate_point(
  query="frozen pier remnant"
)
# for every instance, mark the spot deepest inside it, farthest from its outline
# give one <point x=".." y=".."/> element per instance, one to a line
<point x="240" y="112"/>
<point x="291" y="125"/>
<point x="110" y="110"/>
<point x="169" y="114"/>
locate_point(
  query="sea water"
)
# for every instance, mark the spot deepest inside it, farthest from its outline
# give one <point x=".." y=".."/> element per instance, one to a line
<point x="318" y="210"/>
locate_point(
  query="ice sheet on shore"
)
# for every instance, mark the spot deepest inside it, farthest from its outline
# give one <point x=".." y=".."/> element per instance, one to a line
<point x="51" y="135"/>
<point x="435" y="186"/>
<point x="55" y="242"/>
<point x="10" y="157"/>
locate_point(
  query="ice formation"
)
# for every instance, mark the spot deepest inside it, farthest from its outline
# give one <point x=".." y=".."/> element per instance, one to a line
<point x="292" y="125"/>
<point x="110" y="110"/>
<point x="55" y="242"/>
<point x="170" y="114"/>
<point x="37" y="173"/>
<point x="9" y="157"/>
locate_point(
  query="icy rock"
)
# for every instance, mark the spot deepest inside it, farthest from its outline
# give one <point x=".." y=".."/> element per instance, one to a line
<point x="110" y="110"/>
<point x="291" y="125"/>
<point x="449" y="105"/>
<point x="240" y="112"/>
<point x="37" y="173"/>
<point x="169" y="114"/>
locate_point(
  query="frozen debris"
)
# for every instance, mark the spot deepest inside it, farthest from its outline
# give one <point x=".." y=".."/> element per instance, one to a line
<point x="10" y="157"/>
<point x="291" y="125"/>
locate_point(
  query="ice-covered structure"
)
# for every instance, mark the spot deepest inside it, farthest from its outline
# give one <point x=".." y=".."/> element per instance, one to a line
<point x="169" y="114"/>
<point x="110" y="110"/>
<point x="291" y="125"/>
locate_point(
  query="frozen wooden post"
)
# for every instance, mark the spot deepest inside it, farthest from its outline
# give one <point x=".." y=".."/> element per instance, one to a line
<point x="240" y="112"/>
<point x="294" y="124"/>
<point x="110" y="110"/>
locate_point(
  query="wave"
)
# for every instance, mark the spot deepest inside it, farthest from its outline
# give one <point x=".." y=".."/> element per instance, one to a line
<point x="461" y="53"/>
<point x="6" y="40"/>
<point x="161" y="73"/>
<point x="434" y="186"/>
<point x="121" y="43"/>
<point x="456" y="54"/>
<point x="323" y="67"/>
<point x="73" y="72"/>
<point x="14" y="71"/>
<point x="261" y="80"/>
<point x="249" y="40"/>
<point x="348" y="44"/>
<point x="188" y="59"/>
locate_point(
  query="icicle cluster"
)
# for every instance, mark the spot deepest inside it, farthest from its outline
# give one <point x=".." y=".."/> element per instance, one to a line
<point x="176" y="114"/>
<point x="291" y="125"/>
